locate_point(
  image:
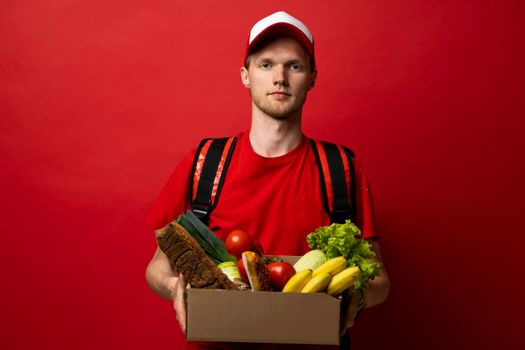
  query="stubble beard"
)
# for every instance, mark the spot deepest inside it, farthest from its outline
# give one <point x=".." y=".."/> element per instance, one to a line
<point x="280" y="112"/>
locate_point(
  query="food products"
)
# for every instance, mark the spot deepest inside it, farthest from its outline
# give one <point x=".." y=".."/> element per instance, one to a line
<point x="257" y="271"/>
<point x="229" y="268"/>
<point x="337" y="240"/>
<point x="343" y="280"/>
<point x="338" y="260"/>
<point x="279" y="273"/>
<point x="185" y="253"/>
<point x="332" y="266"/>
<point x="298" y="281"/>
<point x="317" y="283"/>
<point x="343" y="240"/>
<point x="238" y="242"/>
<point x="206" y="238"/>
<point x="311" y="260"/>
<point x="242" y="270"/>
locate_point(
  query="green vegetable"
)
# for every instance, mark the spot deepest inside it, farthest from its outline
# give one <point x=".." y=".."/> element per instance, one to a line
<point x="206" y="238"/>
<point x="229" y="268"/>
<point x="311" y="260"/>
<point x="344" y="240"/>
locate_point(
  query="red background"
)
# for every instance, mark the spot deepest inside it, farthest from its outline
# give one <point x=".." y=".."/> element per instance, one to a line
<point x="100" y="99"/>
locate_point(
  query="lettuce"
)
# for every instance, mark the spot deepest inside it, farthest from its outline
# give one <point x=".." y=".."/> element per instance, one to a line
<point x="345" y="240"/>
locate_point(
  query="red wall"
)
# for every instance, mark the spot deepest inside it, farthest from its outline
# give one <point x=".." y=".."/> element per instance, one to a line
<point x="99" y="99"/>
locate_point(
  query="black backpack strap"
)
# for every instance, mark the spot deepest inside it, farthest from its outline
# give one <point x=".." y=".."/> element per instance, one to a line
<point x="336" y="170"/>
<point x="210" y="165"/>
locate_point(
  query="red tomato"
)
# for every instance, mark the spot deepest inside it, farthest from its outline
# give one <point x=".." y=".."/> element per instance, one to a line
<point x="238" y="242"/>
<point x="279" y="273"/>
<point x="242" y="271"/>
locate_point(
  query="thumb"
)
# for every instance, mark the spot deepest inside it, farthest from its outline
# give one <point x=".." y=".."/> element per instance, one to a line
<point x="179" y="303"/>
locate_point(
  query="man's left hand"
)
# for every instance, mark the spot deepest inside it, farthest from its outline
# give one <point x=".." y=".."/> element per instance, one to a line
<point x="351" y="305"/>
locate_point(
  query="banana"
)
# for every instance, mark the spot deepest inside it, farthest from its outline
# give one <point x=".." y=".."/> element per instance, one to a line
<point x="298" y="281"/>
<point x="343" y="280"/>
<point x="318" y="283"/>
<point x="332" y="266"/>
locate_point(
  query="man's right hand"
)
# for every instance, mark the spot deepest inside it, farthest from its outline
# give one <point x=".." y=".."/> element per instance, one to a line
<point x="177" y="285"/>
<point x="168" y="284"/>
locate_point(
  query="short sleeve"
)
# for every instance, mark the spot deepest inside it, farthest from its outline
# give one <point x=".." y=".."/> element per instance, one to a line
<point x="365" y="208"/>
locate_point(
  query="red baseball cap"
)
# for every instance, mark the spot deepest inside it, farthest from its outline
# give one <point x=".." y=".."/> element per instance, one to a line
<point x="281" y="24"/>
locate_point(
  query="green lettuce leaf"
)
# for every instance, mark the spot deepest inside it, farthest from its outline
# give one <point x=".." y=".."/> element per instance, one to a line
<point x="345" y="240"/>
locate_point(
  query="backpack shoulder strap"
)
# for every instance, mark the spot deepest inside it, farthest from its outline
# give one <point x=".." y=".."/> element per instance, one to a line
<point x="210" y="165"/>
<point x="336" y="170"/>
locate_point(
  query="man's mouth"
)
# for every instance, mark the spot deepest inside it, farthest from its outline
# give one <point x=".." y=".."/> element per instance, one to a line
<point x="280" y="94"/>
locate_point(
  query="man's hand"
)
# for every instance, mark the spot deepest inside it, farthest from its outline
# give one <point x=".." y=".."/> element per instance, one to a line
<point x="177" y="285"/>
<point x="351" y="304"/>
<point x="168" y="284"/>
<point x="376" y="293"/>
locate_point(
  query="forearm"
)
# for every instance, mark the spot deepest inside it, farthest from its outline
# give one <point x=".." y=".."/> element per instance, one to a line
<point x="160" y="276"/>
<point x="377" y="290"/>
<point x="379" y="287"/>
<point x="375" y="294"/>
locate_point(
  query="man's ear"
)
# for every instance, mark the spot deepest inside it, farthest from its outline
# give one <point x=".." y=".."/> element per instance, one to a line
<point x="245" y="78"/>
<point x="312" y="82"/>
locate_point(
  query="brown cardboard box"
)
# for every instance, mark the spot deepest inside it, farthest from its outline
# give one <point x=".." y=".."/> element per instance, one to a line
<point x="262" y="317"/>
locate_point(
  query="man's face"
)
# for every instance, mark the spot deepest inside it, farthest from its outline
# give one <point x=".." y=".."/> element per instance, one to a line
<point x="279" y="78"/>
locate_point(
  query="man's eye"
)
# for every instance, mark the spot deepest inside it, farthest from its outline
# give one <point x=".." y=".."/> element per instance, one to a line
<point x="265" y="65"/>
<point x="295" y="66"/>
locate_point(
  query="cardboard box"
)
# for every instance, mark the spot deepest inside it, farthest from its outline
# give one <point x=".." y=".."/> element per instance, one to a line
<point x="262" y="317"/>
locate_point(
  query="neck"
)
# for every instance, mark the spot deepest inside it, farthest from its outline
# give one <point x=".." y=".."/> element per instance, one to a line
<point x="272" y="137"/>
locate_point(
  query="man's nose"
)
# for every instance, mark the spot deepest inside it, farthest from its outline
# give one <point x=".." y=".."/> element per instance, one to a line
<point x="280" y="76"/>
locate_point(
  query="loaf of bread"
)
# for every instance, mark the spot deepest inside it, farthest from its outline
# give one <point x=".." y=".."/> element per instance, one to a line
<point x="188" y="257"/>
<point x="257" y="272"/>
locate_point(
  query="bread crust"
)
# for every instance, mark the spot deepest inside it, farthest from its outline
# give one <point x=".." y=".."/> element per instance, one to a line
<point x="257" y="271"/>
<point x="188" y="257"/>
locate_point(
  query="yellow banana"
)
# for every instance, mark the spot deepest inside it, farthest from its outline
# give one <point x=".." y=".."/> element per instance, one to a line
<point x="318" y="283"/>
<point x="332" y="266"/>
<point x="343" y="280"/>
<point x="298" y="281"/>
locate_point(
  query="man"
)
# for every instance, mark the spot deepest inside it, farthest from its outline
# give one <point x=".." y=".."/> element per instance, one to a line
<point x="273" y="187"/>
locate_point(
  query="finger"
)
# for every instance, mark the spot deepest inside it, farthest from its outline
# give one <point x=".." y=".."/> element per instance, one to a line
<point x="179" y="304"/>
<point x="349" y="309"/>
<point x="181" y="314"/>
<point x="184" y="283"/>
<point x="182" y="280"/>
<point x="345" y="324"/>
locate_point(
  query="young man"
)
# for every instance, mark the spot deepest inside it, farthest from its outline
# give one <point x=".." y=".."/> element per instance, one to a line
<point x="273" y="188"/>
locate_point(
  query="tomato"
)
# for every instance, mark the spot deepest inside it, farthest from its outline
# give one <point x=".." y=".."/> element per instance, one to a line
<point x="242" y="271"/>
<point x="279" y="273"/>
<point x="238" y="242"/>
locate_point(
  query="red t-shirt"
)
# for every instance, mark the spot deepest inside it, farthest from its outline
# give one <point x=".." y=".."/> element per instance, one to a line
<point x="276" y="200"/>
